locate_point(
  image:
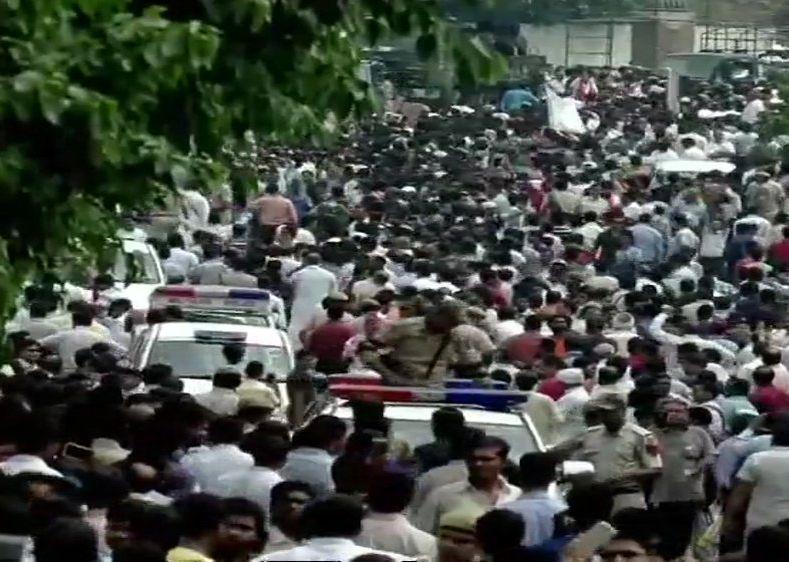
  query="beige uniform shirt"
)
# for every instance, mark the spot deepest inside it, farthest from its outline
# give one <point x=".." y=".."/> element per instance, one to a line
<point x="414" y="347"/>
<point x="614" y="454"/>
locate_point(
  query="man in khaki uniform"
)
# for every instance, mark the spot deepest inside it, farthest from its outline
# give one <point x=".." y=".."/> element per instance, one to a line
<point x="422" y="348"/>
<point x="623" y="454"/>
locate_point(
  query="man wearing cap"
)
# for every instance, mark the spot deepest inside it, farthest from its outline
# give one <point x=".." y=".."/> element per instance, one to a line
<point x="623" y="453"/>
<point x="623" y="329"/>
<point x="456" y="535"/>
<point x="571" y="405"/>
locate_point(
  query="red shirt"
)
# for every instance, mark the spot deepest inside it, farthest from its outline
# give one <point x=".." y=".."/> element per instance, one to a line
<point x="523" y="348"/>
<point x="327" y="341"/>
<point x="552" y="387"/>
<point x="768" y="399"/>
<point x="780" y="252"/>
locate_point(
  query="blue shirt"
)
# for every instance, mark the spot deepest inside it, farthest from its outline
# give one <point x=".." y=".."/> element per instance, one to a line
<point x="518" y="99"/>
<point x="733" y="452"/>
<point x="538" y="509"/>
<point x="650" y="242"/>
<point x="310" y="465"/>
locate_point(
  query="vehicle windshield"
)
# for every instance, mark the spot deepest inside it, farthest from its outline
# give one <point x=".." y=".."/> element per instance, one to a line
<point x="135" y="267"/>
<point x="417" y="433"/>
<point x="202" y="359"/>
<point x="226" y="317"/>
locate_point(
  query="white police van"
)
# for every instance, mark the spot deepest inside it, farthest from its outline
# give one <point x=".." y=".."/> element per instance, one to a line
<point x="213" y="316"/>
<point x="490" y="408"/>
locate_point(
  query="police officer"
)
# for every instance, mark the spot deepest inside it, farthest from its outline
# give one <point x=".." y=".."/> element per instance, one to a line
<point x="624" y="454"/>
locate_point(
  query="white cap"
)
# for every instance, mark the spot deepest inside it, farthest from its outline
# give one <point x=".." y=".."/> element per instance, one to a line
<point x="573" y="376"/>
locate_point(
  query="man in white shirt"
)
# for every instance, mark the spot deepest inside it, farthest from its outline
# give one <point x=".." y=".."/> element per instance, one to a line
<point x="590" y="230"/>
<point x="369" y="287"/>
<point x="541" y="409"/>
<point x="572" y="404"/>
<point x="289" y="236"/>
<point x="685" y="238"/>
<point x="208" y="464"/>
<point x="37" y="324"/>
<point x="753" y="109"/>
<point x="722" y="148"/>
<point x="761" y="493"/>
<point x="323" y="439"/>
<point x="194" y="208"/>
<point x="744" y="140"/>
<point x="36" y="444"/>
<point x="690" y="151"/>
<point x="329" y="526"/>
<point x="460" y="444"/>
<point x="253" y="390"/>
<point x="179" y="256"/>
<point x="770" y="357"/>
<point x="222" y="399"/>
<point x="385" y="526"/>
<point x="256" y="482"/>
<point x="81" y="336"/>
<point x="662" y="153"/>
<point x="311" y="285"/>
<point x="507" y="326"/>
<point x="485" y="487"/>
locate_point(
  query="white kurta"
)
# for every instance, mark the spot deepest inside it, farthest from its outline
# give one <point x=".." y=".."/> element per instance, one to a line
<point x="310" y="286"/>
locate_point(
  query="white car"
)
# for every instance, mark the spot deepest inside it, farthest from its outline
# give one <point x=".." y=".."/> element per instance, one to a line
<point x="194" y="350"/>
<point x="411" y="424"/>
<point x="137" y="272"/>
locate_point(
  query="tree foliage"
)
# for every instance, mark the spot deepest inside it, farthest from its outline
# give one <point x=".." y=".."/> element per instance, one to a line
<point x="102" y="100"/>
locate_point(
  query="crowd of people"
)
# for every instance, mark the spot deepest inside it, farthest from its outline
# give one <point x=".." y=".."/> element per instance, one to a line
<point x="641" y="314"/>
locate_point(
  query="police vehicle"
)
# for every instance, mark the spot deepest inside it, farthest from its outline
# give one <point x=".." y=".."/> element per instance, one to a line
<point x="137" y="272"/>
<point x="487" y="406"/>
<point x="213" y="316"/>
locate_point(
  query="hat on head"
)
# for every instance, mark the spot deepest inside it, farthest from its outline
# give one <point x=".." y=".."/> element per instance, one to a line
<point x="572" y="376"/>
<point x="604" y="349"/>
<point x="257" y="397"/>
<point x="623" y="321"/>
<point x="462" y="520"/>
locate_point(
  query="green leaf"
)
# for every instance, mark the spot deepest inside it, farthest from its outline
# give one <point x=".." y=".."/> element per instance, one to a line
<point x="28" y="80"/>
<point x="151" y="54"/>
<point x="480" y="47"/>
<point x="173" y="41"/>
<point x="52" y="104"/>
